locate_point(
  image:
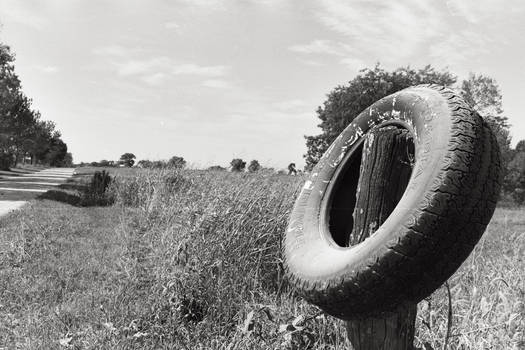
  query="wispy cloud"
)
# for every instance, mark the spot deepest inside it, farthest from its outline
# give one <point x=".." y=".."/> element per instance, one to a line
<point x="398" y="33"/>
<point x="115" y="51"/>
<point x="195" y="69"/>
<point x="389" y="28"/>
<point x="289" y="105"/>
<point x="480" y="11"/>
<point x="48" y="69"/>
<point x="345" y="53"/>
<point x="167" y="66"/>
<point x="217" y="84"/>
<point x="323" y="47"/>
<point x="151" y="65"/>
<point x="154" y="79"/>
<point x="22" y="13"/>
<point x="172" y="25"/>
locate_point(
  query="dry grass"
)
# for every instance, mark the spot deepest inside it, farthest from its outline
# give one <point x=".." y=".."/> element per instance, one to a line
<point x="191" y="260"/>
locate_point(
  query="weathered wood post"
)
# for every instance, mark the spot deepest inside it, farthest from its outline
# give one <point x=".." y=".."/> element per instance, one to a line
<point x="384" y="175"/>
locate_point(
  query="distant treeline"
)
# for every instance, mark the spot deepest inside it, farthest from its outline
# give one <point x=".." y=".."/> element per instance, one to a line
<point x="24" y="136"/>
<point x="176" y="162"/>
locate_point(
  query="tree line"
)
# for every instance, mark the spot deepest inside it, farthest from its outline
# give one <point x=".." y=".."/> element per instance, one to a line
<point x="345" y="102"/>
<point x="24" y="135"/>
<point x="236" y="165"/>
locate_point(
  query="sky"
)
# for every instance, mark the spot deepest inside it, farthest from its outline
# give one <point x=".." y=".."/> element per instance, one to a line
<point x="213" y="80"/>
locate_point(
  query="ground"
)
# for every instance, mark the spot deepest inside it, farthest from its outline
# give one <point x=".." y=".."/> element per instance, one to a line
<point x="191" y="259"/>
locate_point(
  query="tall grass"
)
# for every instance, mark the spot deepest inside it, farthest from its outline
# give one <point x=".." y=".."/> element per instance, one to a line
<point x="191" y="260"/>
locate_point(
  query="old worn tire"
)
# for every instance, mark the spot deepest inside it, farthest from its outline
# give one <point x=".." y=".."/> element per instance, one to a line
<point x="442" y="214"/>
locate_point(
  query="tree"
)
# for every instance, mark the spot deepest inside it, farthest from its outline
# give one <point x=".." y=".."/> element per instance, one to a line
<point x="514" y="181"/>
<point x="238" y="165"/>
<point x="345" y="102"/>
<point x="482" y="93"/>
<point x="68" y="160"/>
<point x="177" y="162"/>
<point x="57" y="151"/>
<point x="254" y="166"/>
<point x="128" y="159"/>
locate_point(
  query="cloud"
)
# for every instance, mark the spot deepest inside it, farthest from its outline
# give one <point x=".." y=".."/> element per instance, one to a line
<point x="460" y="47"/>
<point x="217" y="84"/>
<point x="154" y="79"/>
<point x="353" y="64"/>
<point x="114" y="50"/>
<point x="22" y="13"/>
<point x="289" y="105"/>
<point x="172" y="25"/>
<point x="324" y="47"/>
<point x="400" y="33"/>
<point x="480" y="11"/>
<point x="48" y="69"/>
<point x="390" y="28"/>
<point x="134" y="67"/>
<point x="344" y="52"/>
<point x="167" y="66"/>
<point x="195" y="69"/>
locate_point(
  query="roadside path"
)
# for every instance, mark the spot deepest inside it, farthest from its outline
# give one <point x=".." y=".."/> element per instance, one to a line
<point x="16" y="190"/>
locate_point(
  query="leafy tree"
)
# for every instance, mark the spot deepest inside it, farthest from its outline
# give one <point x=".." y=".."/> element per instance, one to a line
<point x="238" y="164"/>
<point x="254" y="166"/>
<point x="128" y="159"/>
<point x="514" y="181"/>
<point x="68" y="160"/>
<point x="41" y="141"/>
<point x="9" y="82"/>
<point x="57" y="151"/>
<point x="482" y="93"/>
<point x="177" y="162"/>
<point x="345" y="102"/>
<point x="104" y="162"/>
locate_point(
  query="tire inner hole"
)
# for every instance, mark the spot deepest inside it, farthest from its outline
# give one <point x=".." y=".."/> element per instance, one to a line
<point x="370" y="185"/>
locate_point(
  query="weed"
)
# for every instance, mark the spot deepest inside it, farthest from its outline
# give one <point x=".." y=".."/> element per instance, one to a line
<point x="96" y="192"/>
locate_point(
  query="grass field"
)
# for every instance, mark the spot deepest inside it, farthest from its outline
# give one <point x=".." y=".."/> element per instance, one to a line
<point x="191" y="260"/>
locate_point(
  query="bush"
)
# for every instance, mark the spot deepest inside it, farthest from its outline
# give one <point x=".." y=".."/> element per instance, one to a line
<point x="6" y="160"/>
<point x="254" y="166"/>
<point x="177" y="162"/>
<point x="238" y="165"/>
<point x="96" y="193"/>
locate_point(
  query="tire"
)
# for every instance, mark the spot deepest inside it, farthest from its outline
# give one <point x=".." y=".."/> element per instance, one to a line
<point x="448" y="202"/>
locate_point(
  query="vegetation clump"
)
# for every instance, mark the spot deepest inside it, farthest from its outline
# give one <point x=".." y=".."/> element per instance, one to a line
<point x="237" y="165"/>
<point x="96" y="192"/>
<point x="254" y="166"/>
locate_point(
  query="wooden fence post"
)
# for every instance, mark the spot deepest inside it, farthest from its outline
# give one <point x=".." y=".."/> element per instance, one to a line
<point x="385" y="171"/>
